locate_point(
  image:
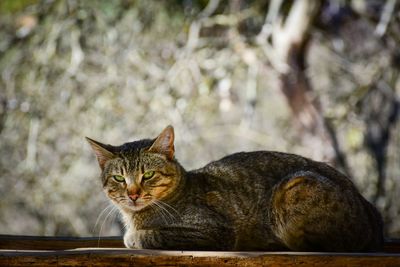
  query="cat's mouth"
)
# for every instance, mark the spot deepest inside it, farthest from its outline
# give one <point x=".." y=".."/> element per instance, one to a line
<point x="137" y="205"/>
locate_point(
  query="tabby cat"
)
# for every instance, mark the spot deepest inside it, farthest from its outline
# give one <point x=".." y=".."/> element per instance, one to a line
<point x="245" y="201"/>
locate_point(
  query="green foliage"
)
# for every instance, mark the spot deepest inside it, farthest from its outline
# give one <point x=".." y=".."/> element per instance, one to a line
<point x="13" y="6"/>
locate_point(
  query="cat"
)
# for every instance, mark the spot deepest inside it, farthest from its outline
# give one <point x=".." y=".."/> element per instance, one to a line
<point x="247" y="201"/>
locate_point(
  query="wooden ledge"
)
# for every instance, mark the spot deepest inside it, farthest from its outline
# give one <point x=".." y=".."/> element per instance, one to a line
<point x="34" y="251"/>
<point x="128" y="257"/>
<point x="15" y="242"/>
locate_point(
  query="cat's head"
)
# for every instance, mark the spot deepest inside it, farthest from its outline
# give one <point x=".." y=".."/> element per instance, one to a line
<point x="139" y="173"/>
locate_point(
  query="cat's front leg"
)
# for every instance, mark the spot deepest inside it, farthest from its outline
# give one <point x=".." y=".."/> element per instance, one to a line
<point x="130" y="239"/>
<point x="142" y="239"/>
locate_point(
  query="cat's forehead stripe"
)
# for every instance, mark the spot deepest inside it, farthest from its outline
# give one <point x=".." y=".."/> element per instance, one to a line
<point x="131" y="154"/>
<point x="130" y="161"/>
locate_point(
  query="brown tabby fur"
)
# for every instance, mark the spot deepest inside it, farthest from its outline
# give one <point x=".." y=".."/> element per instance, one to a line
<point x="245" y="201"/>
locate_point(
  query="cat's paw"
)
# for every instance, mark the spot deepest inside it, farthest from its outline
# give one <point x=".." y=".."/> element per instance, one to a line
<point x="129" y="240"/>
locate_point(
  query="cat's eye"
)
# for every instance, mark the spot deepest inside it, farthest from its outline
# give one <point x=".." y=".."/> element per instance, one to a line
<point x="119" y="178"/>
<point x="148" y="175"/>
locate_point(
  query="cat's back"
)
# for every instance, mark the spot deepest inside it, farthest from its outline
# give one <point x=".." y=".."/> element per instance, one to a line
<point x="256" y="166"/>
<point x="262" y="170"/>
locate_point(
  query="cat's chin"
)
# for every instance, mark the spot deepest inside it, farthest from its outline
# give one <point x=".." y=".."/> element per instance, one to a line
<point x="136" y="206"/>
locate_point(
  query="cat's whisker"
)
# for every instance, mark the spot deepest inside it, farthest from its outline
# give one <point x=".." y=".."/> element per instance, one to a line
<point x="164" y="215"/>
<point x="109" y="206"/>
<point x="115" y="215"/>
<point x="157" y="209"/>
<point x="169" y="206"/>
<point x="125" y="224"/>
<point x="169" y="215"/>
<point x="161" y="211"/>
<point x="114" y="209"/>
<point x="164" y="206"/>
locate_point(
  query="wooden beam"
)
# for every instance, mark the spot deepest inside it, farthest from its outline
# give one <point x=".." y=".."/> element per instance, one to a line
<point x="17" y="242"/>
<point x="109" y="251"/>
<point x="392" y="246"/>
<point x="128" y="257"/>
<point x="14" y="242"/>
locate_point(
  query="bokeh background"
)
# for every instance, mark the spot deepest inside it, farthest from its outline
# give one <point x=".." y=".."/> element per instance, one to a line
<point x="316" y="78"/>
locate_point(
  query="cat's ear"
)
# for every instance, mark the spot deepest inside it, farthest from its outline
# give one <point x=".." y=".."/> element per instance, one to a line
<point x="164" y="143"/>
<point x="102" y="151"/>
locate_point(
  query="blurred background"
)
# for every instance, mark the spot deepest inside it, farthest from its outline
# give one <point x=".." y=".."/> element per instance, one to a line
<point x="316" y="78"/>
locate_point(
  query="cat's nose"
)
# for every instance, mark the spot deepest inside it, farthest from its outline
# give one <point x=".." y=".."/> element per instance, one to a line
<point x="134" y="197"/>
